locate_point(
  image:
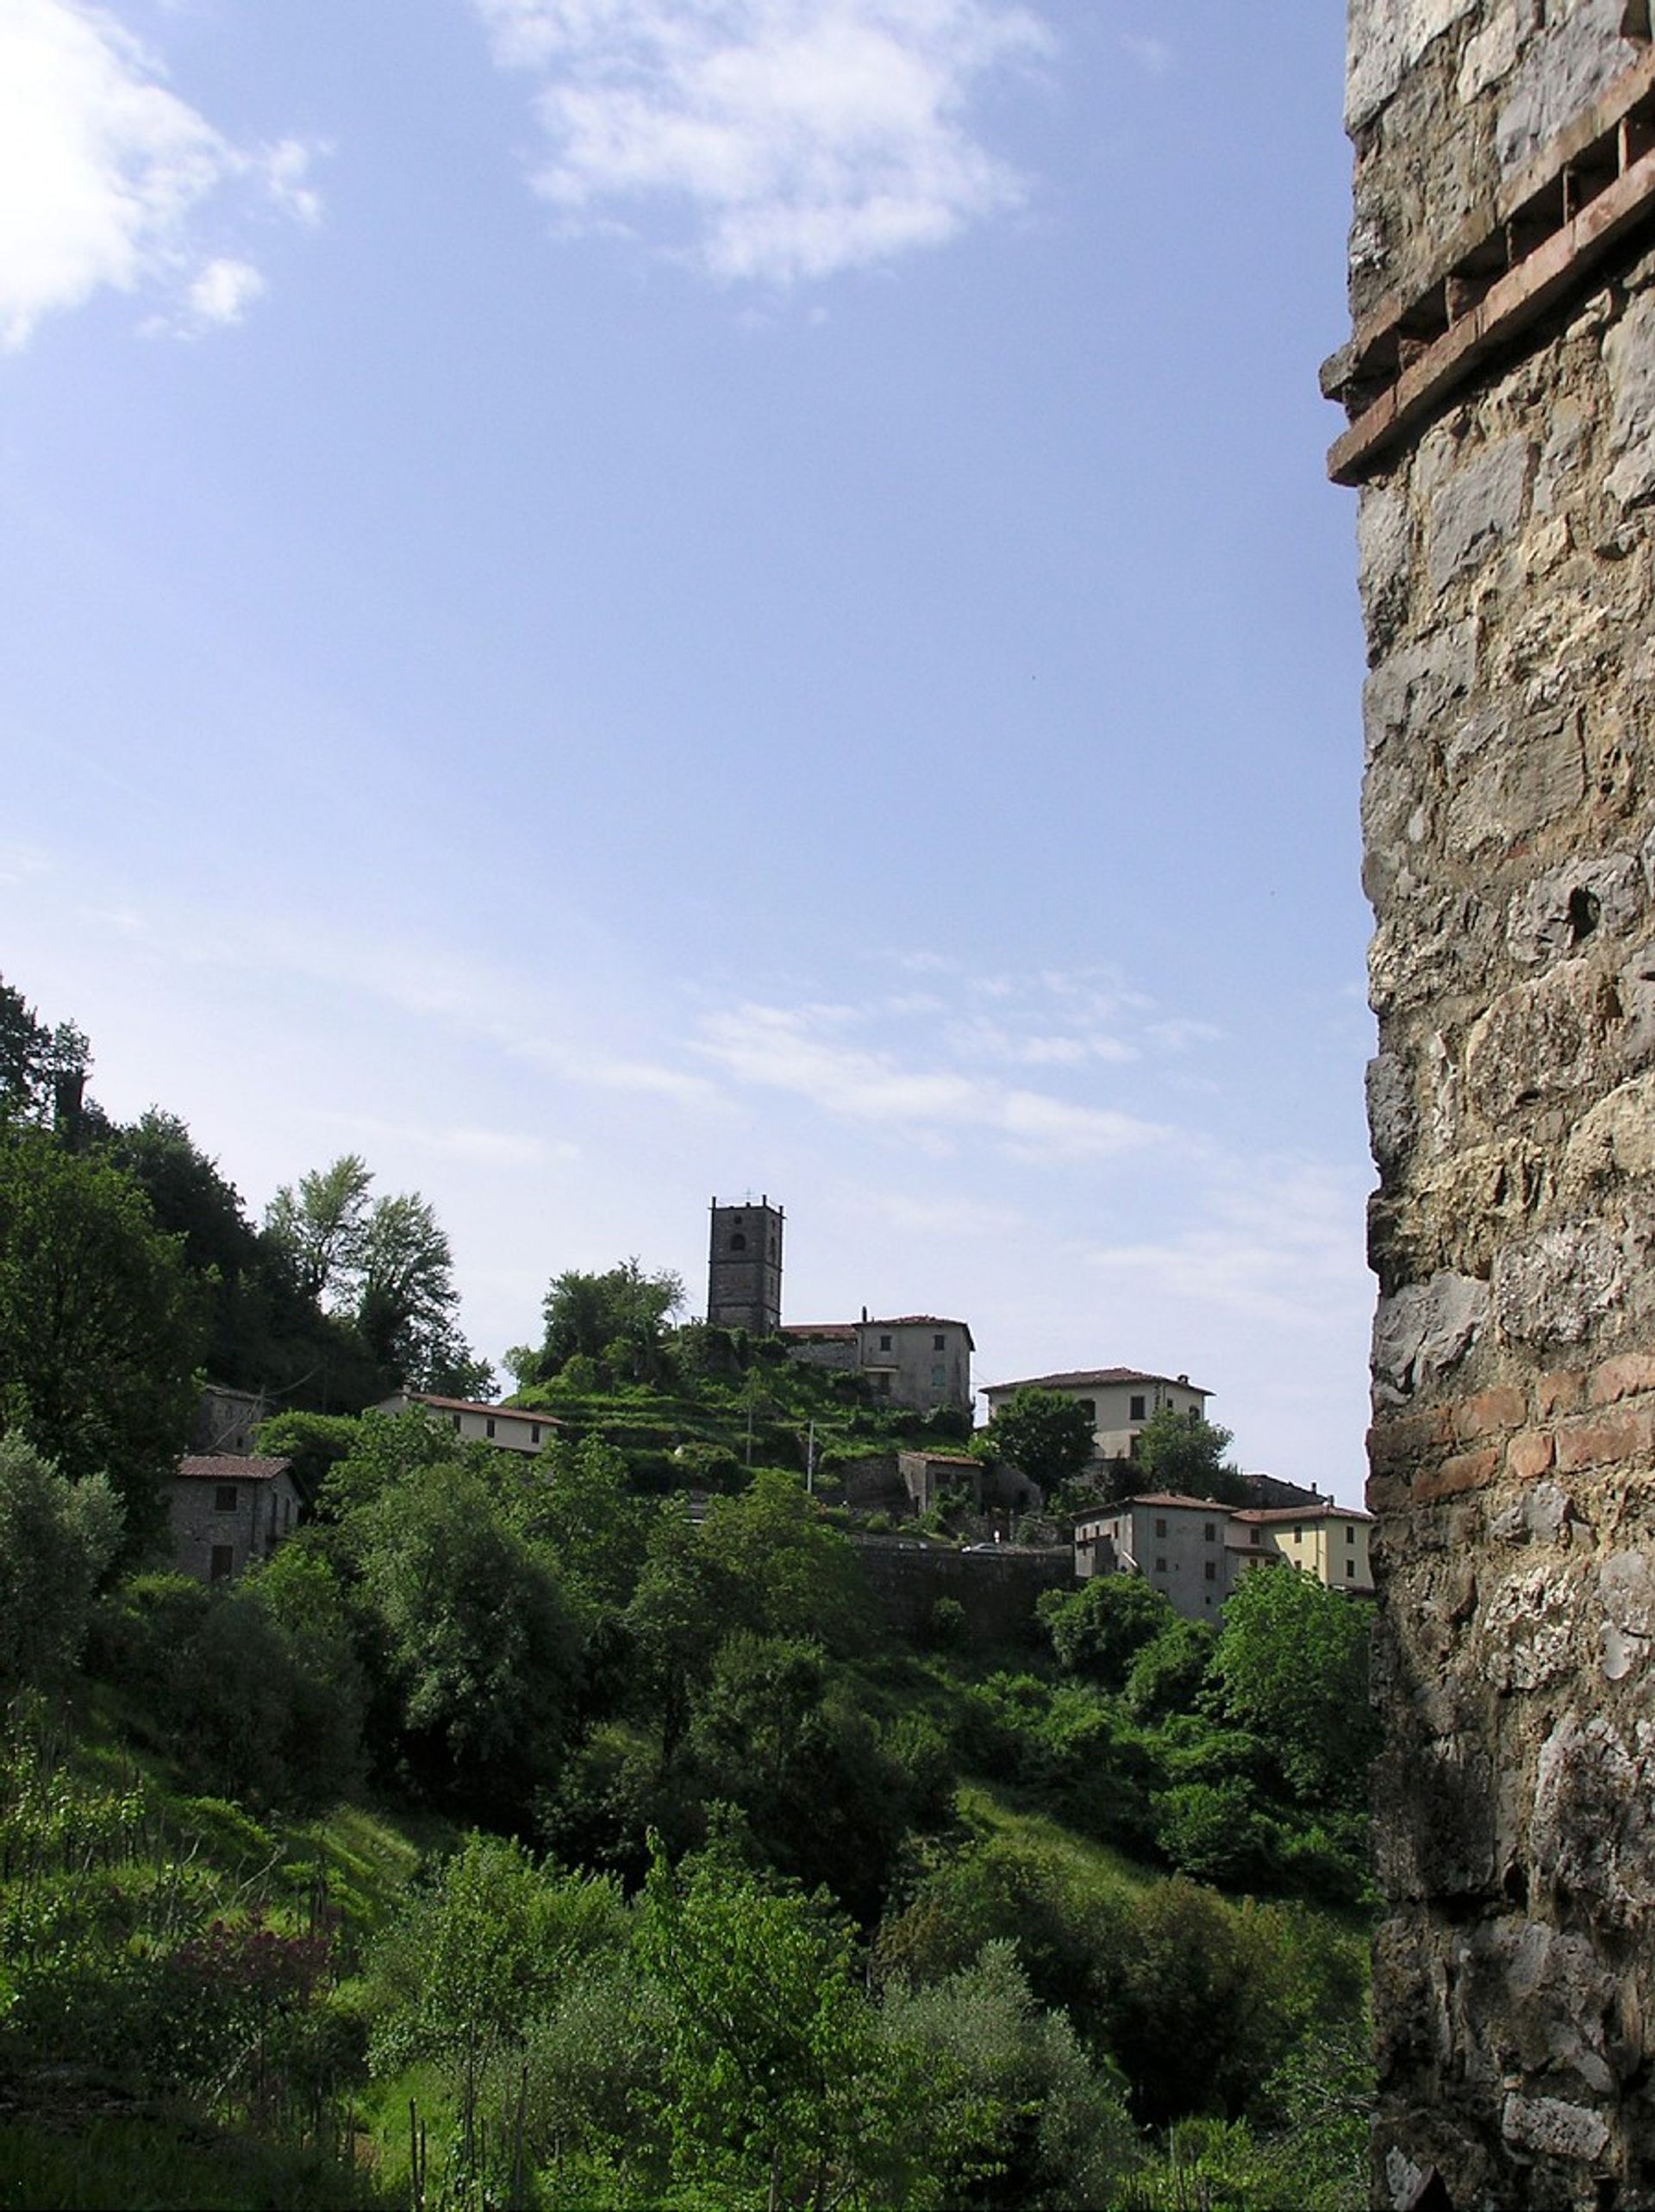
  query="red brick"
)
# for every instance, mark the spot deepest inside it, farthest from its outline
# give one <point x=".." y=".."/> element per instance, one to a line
<point x="1466" y="1471"/>
<point x="1598" y="1443"/>
<point x="1489" y="1413"/>
<point x="1529" y="1456"/>
<point x="1561" y="1391"/>
<point x="1623" y="1376"/>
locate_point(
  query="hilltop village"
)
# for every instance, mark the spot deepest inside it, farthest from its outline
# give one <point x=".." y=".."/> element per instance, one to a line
<point x="414" y="1794"/>
<point x="1055" y="1488"/>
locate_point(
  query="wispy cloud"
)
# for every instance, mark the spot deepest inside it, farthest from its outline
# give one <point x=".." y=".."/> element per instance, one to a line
<point x="797" y="1050"/>
<point x="506" y="1149"/>
<point x="1280" y="1241"/>
<point x="106" y="176"/>
<point x="800" y="137"/>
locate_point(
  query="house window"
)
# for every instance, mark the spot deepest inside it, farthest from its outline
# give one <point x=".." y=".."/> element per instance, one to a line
<point x="1350" y="1570"/>
<point x="224" y="1564"/>
<point x="1136" y="1412"/>
<point x="1210" y="1532"/>
<point x="884" y="1344"/>
<point x="1350" y="1532"/>
<point x="938" y="1343"/>
<point x="1212" y="1569"/>
<point x="225" y="1498"/>
<point x="1160" y="1566"/>
<point x="882" y="1386"/>
<point x="287" y="1515"/>
<point x="1297" y="1534"/>
<point x="488" y="1426"/>
<point x="1160" y="1528"/>
<point x="1255" y="1536"/>
<point x="534" y="1432"/>
<point x="454" y="1417"/>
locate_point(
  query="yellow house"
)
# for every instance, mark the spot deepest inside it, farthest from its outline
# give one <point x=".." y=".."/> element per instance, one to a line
<point x="1329" y="1541"/>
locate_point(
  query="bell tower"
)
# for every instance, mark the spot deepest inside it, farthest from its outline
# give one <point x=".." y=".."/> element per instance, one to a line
<point x="744" y="1267"/>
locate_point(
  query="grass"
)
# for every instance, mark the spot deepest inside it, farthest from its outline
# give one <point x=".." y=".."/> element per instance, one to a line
<point x="166" y="2163"/>
<point x="991" y="1813"/>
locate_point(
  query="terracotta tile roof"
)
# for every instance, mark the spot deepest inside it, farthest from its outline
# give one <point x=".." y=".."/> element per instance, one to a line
<point x="1322" y="1510"/>
<point x="1080" y="1376"/>
<point x="472" y="1405"/>
<point x="1160" y="1497"/>
<point x="229" y="1467"/>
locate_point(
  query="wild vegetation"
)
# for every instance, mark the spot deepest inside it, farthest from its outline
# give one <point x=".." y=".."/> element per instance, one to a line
<point x="515" y="1836"/>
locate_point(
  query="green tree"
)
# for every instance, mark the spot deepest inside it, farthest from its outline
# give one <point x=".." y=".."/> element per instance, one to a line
<point x="405" y="1300"/>
<point x="56" y="1539"/>
<point x="99" y="1333"/>
<point x="1166" y="1674"/>
<point x="1182" y="1452"/>
<point x="1047" y="1435"/>
<point x="478" y="1643"/>
<point x="617" y="1318"/>
<point x="43" y="1070"/>
<point x="781" y="2088"/>
<point x="320" y="1223"/>
<point x="1098" y="1630"/>
<point x="1291" y="1665"/>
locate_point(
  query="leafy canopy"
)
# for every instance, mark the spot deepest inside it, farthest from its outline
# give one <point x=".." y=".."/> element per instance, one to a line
<point x="1047" y="1435"/>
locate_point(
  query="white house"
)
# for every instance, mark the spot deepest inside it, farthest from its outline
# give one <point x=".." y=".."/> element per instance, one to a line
<point x="507" y="1427"/>
<point x="1178" y="1544"/>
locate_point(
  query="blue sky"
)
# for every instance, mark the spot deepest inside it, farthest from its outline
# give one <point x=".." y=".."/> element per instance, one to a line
<point x="608" y="600"/>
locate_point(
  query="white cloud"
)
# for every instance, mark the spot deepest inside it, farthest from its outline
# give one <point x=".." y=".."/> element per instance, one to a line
<point x="224" y="291"/>
<point x="105" y="175"/>
<point x="803" y="136"/>
<point x="785" y="1049"/>
<point x="478" y="1147"/>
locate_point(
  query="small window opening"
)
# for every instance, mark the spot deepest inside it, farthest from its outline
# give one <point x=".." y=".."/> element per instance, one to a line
<point x="225" y="1498"/>
<point x="1137" y="1412"/>
<point x="738" y="1242"/>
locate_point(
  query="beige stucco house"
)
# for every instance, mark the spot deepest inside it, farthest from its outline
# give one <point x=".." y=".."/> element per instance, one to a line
<point x="1327" y="1540"/>
<point x="1118" y="1402"/>
<point x="1178" y="1544"/>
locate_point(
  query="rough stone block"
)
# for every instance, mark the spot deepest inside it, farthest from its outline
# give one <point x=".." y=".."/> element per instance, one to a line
<point x="1581" y="52"/>
<point x="1587" y="898"/>
<point x="1479" y="509"/>
<point x="1554" y="1287"/>
<point x="1426" y="1329"/>
<point x="1547" y="2125"/>
<point x="1629" y="364"/>
<point x="1387" y="37"/>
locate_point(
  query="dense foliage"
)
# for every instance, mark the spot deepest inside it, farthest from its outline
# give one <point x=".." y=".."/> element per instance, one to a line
<point x="685" y="1883"/>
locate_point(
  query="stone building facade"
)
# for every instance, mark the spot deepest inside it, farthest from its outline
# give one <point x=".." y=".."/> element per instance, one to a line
<point x="226" y="1511"/>
<point x="1501" y="386"/>
<point x="744" y="1267"/>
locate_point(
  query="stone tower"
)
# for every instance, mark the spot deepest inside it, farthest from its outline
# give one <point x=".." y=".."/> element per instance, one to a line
<point x="1501" y="387"/>
<point x="744" y="1267"/>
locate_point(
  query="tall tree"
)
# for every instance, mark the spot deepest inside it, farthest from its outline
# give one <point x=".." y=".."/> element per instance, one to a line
<point x="100" y="1332"/>
<point x="618" y="1318"/>
<point x="1047" y="1435"/>
<point x="319" y="1225"/>
<point x="1182" y="1452"/>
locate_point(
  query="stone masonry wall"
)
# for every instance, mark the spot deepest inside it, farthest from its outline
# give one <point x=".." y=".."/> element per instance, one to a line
<point x="1505" y="555"/>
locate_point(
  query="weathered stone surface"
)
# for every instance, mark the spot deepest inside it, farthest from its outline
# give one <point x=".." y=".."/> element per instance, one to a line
<point x="1387" y="37"/>
<point x="1553" y="1288"/>
<point x="1507" y="579"/>
<point x="1478" y="509"/>
<point x="1563" y="72"/>
<point x="1425" y="1330"/>
<point x="1629" y="364"/>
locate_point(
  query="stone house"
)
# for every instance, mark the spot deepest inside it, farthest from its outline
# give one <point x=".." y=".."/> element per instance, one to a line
<point x="509" y="1427"/>
<point x="228" y="1510"/>
<point x="921" y="1361"/>
<point x="227" y="1419"/>
<point x="1118" y="1401"/>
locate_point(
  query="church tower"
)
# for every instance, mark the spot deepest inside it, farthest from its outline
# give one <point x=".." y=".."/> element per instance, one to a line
<point x="744" y="1268"/>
